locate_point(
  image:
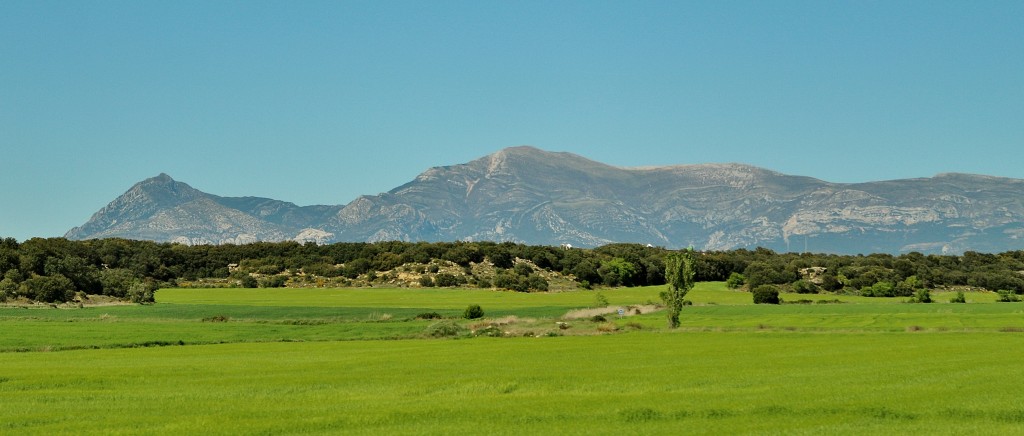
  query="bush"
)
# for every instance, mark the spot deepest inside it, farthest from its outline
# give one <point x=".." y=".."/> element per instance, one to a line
<point x="249" y="281"/>
<point x="524" y="269"/>
<point x="598" y="318"/>
<point x="735" y="280"/>
<point x="958" y="298"/>
<point x="474" y="311"/>
<point x="426" y="282"/>
<point x="143" y="293"/>
<point x="48" y="289"/>
<point x="600" y="300"/>
<point x="429" y="315"/>
<point x="273" y="282"/>
<point x="766" y="294"/>
<point x="445" y="329"/>
<point x="1007" y="296"/>
<point x="804" y="287"/>
<point x="537" y="282"/>
<point x="879" y="289"/>
<point x="922" y="296"/>
<point x="445" y="280"/>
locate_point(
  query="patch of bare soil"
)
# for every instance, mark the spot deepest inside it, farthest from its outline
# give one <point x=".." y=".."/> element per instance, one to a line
<point x="627" y="311"/>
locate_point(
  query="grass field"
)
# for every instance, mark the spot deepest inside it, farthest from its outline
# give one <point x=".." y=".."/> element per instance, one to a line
<point x="316" y="361"/>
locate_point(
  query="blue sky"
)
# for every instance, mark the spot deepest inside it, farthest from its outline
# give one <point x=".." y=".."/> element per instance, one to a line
<point x="319" y="102"/>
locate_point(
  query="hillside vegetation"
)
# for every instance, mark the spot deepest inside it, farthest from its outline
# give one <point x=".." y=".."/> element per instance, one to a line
<point x="57" y="270"/>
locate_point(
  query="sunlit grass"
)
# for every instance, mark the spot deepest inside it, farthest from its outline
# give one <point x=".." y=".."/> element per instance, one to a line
<point x="706" y="382"/>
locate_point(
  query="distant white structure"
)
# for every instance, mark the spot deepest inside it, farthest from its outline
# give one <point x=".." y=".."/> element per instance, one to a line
<point x="566" y="246"/>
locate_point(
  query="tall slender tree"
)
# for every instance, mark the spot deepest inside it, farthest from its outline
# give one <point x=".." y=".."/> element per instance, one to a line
<point x="679" y="272"/>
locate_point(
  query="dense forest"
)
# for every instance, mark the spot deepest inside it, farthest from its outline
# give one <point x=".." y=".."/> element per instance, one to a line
<point x="59" y="270"/>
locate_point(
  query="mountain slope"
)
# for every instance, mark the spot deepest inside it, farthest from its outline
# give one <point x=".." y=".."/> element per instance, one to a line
<point x="162" y="209"/>
<point x="528" y="195"/>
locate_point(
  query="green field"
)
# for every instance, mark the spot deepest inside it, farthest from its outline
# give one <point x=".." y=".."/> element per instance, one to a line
<point x="356" y="361"/>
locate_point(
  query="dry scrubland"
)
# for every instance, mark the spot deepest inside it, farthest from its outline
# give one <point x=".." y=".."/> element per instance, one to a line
<point x="360" y="361"/>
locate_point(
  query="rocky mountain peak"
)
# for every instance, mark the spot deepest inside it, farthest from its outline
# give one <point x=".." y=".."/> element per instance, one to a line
<point x="525" y="194"/>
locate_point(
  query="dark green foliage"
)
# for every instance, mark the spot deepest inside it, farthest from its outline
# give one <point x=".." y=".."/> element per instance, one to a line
<point x="536" y="282"/>
<point x="474" y="311"/>
<point x="766" y="294"/>
<point x="48" y="289"/>
<point x="429" y="315"/>
<point x="524" y="269"/>
<point x="249" y="281"/>
<point x="273" y="282"/>
<point x="804" y="287"/>
<point x="111" y="266"/>
<point x="448" y="280"/>
<point x="598" y="318"/>
<point x="426" y="281"/>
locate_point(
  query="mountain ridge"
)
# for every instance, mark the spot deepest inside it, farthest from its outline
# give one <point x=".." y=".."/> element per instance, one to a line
<point x="524" y="194"/>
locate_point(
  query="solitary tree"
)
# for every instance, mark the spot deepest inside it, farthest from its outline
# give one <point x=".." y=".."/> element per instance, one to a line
<point x="679" y="274"/>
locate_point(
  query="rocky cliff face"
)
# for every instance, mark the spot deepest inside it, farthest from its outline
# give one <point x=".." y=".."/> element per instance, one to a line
<point x="528" y="195"/>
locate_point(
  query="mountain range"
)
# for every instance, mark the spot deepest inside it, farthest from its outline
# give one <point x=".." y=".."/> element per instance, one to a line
<point x="527" y="195"/>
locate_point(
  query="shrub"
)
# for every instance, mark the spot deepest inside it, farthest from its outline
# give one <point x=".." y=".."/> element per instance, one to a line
<point x="429" y="315"/>
<point x="922" y="296"/>
<point x="445" y="329"/>
<point x="426" y="282"/>
<point x="448" y="280"/>
<point x="958" y="298"/>
<point x="598" y="318"/>
<point x="735" y="280"/>
<point x="48" y="289"/>
<point x="524" y="269"/>
<point x="474" y="311"/>
<point x="273" y="282"/>
<point x="804" y="287"/>
<point x="766" y="294"/>
<point x="537" y="283"/>
<point x="600" y="300"/>
<point x="249" y="281"/>
<point x="1007" y="296"/>
<point x="143" y="293"/>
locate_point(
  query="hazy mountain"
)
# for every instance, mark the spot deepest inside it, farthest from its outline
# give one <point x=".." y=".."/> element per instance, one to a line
<point x="528" y="195"/>
<point x="162" y="209"/>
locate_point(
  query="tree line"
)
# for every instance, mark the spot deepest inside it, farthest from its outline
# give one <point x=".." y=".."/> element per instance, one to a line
<point x="57" y="269"/>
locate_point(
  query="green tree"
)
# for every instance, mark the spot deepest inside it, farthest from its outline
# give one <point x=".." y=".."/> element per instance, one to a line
<point x="49" y="289"/>
<point x="679" y="274"/>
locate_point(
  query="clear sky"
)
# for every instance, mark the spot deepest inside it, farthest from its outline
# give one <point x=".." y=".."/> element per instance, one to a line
<point x="319" y="102"/>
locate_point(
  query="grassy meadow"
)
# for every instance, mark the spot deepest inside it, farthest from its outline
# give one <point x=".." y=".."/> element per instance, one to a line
<point x="358" y="361"/>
